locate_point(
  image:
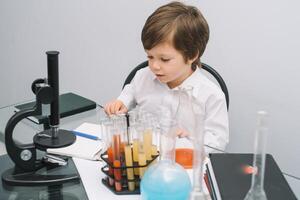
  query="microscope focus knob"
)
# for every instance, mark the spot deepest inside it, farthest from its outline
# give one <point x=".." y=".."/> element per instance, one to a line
<point x="34" y="84"/>
<point x="44" y="93"/>
<point x="26" y="155"/>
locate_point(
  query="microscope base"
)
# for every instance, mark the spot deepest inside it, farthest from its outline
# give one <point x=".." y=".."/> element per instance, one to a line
<point x="15" y="177"/>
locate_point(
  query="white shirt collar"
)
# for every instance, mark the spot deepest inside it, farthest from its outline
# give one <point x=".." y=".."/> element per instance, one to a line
<point x="190" y="81"/>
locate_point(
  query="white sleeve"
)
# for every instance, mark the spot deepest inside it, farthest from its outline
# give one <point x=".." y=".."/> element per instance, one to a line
<point x="216" y="130"/>
<point x="127" y="95"/>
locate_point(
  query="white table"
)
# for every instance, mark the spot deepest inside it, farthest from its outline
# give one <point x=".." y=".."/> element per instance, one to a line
<point x="91" y="176"/>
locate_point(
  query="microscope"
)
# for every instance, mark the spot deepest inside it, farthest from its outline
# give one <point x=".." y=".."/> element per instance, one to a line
<point x="24" y="156"/>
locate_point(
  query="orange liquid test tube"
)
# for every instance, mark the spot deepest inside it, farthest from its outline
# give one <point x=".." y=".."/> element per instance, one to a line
<point x="117" y="162"/>
<point x="118" y="176"/>
<point x="110" y="169"/>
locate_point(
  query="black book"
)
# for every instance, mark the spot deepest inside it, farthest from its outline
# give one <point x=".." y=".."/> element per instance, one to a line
<point x="69" y="104"/>
<point x="229" y="180"/>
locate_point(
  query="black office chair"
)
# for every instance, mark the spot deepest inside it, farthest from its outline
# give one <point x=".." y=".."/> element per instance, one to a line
<point x="206" y="67"/>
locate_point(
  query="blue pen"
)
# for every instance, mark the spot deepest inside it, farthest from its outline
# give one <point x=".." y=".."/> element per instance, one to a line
<point x="92" y="137"/>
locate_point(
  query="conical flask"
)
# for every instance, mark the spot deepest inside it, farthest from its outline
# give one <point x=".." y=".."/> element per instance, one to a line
<point x="257" y="191"/>
<point x="166" y="179"/>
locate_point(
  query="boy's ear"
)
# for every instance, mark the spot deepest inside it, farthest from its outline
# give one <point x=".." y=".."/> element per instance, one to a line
<point x="190" y="61"/>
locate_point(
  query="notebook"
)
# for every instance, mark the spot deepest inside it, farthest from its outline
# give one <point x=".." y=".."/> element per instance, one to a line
<point x="69" y="104"/>
<point x="83" y="147"/>
<point x="228" y="180"/>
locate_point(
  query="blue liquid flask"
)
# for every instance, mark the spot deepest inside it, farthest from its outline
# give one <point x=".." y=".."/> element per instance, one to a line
<point x="166" y="180"/>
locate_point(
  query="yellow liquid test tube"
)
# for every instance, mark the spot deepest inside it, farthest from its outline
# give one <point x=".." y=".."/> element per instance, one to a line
<point x="154" y="150"/>
<point x="148" y="143"/>
<point x="154" y="153"/>
<point x="142" y="161"/>
<point x="128" y="161"/>
<point x="135" y="148"/>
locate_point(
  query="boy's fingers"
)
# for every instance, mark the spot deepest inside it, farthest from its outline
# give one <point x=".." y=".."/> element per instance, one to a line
<point x="123" y="109"/>
<point x="116" y="107"/>
<point x="179" y="132"/>
<point x="106" y="108"/>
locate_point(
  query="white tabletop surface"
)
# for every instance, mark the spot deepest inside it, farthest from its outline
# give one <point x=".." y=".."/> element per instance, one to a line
<point x="91" y="176"/>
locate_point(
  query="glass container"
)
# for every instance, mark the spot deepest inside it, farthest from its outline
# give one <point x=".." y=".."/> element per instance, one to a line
<point x="166" y="179"/>
<point x="257" y="191"/>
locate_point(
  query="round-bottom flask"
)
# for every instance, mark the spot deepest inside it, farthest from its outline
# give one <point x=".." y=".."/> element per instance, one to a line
<point x="166" y="179"/>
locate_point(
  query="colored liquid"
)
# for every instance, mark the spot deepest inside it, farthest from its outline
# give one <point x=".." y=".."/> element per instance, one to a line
<point x="142" y="161"/>
<point x="128" y="161"/>
<point x="118" y="176"/>
<point x="110" y="169"/>
<point x="154" y="150"/>
<point x="122" y="150"/>
<point x="165" y="180"/>
<point x="154" y="153"/>
<point x="135" y="148"/>
<point x="148" y="144"/>
<point x="116" y="146"/>
<point x="117" y="162"/>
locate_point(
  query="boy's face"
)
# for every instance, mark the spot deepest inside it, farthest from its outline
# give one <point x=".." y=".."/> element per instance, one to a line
<point x="168" y="64"/>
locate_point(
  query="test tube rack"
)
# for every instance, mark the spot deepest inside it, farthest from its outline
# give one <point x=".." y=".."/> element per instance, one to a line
<point x="124" y="180"/>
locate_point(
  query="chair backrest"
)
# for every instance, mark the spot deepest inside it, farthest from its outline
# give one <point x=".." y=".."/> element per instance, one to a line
<point x="206" y="67"/>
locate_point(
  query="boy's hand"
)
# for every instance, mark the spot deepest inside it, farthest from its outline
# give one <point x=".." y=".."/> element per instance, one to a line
<point x="182" y="133"/>
<point x="115" y="107"/>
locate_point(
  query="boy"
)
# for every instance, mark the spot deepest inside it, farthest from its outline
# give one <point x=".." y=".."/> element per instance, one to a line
<point x="174" y="38"/>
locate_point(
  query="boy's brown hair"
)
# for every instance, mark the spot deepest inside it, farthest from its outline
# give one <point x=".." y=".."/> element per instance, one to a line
<point x="184" y="25"/>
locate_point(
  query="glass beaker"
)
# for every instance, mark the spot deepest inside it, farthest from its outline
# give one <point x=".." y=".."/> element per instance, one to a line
<point x="166" y="179"/>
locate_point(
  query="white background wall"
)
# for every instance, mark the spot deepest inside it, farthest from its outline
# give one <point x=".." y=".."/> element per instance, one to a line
<point x="253" y="44"/>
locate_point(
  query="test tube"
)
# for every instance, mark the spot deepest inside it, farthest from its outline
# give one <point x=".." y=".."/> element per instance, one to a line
<point x="130" y="173"/>
<point x="104" y="121"/>
<point x="147" y="134"/>
<point x="148" y="143"/>
<point x="133" y="131"/>
<point x="111" y="160"/>
<point x="122" y="126"/>
<point x="155" y="136"/>
<point x="116" y="146"/>
<point x="142" y="155"/>
<point x="106" y="136"/>
<point x="135" y="145"/>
